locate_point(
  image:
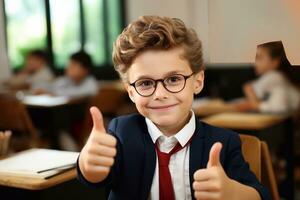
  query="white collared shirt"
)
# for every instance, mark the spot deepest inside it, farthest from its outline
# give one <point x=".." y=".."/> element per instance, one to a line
<point x="179" y="162"/>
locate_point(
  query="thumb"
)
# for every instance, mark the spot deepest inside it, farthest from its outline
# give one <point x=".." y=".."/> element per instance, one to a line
<point x="97" y="117"/>
<point x="214" y="155"/>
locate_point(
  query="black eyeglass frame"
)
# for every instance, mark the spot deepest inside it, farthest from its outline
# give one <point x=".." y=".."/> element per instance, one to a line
<point x="163" y="83"/>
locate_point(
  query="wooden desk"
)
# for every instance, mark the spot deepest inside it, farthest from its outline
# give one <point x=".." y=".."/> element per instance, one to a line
<point x="244" y="121"/>
<point x="37" y="184"/>
<point x="207" y="107"/>
<point x="47" y="101"/>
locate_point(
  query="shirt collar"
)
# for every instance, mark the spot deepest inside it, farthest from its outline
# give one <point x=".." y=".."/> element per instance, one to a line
<point x="183" y="136"/>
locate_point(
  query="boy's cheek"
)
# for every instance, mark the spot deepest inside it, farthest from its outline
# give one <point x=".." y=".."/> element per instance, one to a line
<point x="187" y="96"/>
<point x="140" y="101"/>
<point x="132" y="95"/>
<point x="141" y="104"/>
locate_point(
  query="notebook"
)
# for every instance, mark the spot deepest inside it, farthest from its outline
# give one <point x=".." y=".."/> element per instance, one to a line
<point x="38" y="163"/>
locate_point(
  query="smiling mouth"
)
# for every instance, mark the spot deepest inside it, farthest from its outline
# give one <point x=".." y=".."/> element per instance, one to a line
<point x="162" y="107"/>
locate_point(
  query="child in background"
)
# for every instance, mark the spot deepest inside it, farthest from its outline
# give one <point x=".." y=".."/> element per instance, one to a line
<point x="277" y="90"/>
<point x="35" y="72"/>
<point x="77" y="81"/>
<point x="164" y="152"/>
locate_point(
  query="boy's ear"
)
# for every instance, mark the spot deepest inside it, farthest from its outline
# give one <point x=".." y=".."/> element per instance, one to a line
<point x="199" y="82"/>
<point x="129" y="91"/>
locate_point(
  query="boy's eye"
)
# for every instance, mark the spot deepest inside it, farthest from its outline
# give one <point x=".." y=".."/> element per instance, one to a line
<point x="175" y="79"/>
<point x="145" y="83"/>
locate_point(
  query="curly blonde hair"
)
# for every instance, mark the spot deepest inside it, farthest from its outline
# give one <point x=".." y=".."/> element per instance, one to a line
<point x="155" y="32"/>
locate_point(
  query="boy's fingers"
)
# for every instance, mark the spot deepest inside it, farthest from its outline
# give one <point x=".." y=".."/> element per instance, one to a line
<point x="214" y="155"/>
<point x="101" y="161"/>
<point x="97" y="117"/>
<point x="205" y="186"/>
<point x="203" y="175"/>
<point x="109" y="140"/>
<point x="104" y="151"/>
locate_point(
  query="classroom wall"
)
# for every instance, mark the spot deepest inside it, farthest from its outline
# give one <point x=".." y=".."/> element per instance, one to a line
<point x="235" y="27"/>
<point x="193" y="12"/>
<point x="231" y="29"/>
<point x="4" y="69"/>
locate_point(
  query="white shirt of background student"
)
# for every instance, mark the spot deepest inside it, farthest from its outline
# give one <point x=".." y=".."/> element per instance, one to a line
<point x="64" y="86"/>
<point x="277" y="93"/>
<point x="44" y="75"/>
<point x="40" y="77"/>
<point x="77" y="82"/>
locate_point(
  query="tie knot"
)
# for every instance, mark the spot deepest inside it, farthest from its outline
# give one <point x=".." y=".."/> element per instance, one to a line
<point x="166" y="144"/>
<point x="164" y="158"/>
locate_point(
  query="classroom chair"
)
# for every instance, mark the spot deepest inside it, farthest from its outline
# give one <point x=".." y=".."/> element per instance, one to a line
<point x="109" y="100"/>
<point x="257" y="154"/>
<point x="14" y="117"/>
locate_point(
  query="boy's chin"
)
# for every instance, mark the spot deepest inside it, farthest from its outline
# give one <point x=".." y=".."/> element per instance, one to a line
<point x="165" y="121"/>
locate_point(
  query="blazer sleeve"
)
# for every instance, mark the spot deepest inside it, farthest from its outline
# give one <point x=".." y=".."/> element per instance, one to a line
<point x="112" y="179"/>
<point x="238" y="169"/>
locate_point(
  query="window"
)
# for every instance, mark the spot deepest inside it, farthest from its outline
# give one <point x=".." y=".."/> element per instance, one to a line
<point x="26" y="28"/>
<point x="62" y="27"/>
<point x="65" y="30"/>
<point x="114" y="19"/>
<point x="95" y="38"/>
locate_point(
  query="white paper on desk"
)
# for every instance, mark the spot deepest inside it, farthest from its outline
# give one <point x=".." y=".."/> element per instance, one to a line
<point x="28" y="163"/>
<point x="44" y="100"/>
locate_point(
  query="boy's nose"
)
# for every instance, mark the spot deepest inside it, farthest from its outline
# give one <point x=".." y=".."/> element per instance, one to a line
<point x="160" y="92"/>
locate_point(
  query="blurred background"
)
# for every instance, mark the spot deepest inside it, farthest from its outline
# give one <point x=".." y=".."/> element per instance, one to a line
<point x="46" y="46"/>
<point x="61" y="28"/>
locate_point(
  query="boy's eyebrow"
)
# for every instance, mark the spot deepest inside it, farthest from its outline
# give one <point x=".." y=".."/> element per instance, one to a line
<point x="165" y="75"/>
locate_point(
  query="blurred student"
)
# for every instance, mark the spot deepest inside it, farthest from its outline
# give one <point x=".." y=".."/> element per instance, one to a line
<point x="277" y="90"/>
<point x="36" y="71"/>
<point x="77" y="81"/>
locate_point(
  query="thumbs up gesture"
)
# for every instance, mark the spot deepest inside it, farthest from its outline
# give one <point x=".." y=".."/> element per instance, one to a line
<point x="212" y="182"/>
<point x="97" y="156"/>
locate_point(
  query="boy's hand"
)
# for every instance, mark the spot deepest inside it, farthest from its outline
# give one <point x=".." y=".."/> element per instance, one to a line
<point x="212" y="182"/>
<point x="97" y="156"/>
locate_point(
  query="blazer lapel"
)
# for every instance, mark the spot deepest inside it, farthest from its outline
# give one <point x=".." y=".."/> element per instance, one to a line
<point x="149" y="163"/>
<point x="196" y="153"/>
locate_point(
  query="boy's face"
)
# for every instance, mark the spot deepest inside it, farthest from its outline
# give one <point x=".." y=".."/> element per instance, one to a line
<point x="75" y="71"/>
<point x="167" y="110"/>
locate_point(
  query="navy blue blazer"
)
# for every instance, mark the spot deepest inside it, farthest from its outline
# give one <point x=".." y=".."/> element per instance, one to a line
<point x="132" y="173"/>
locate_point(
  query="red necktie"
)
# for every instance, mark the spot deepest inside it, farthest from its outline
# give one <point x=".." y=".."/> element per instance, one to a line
<point x="166" y="191"/>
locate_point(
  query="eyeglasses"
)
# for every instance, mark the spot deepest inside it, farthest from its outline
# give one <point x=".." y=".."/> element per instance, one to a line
<point x="173" y="83"/>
